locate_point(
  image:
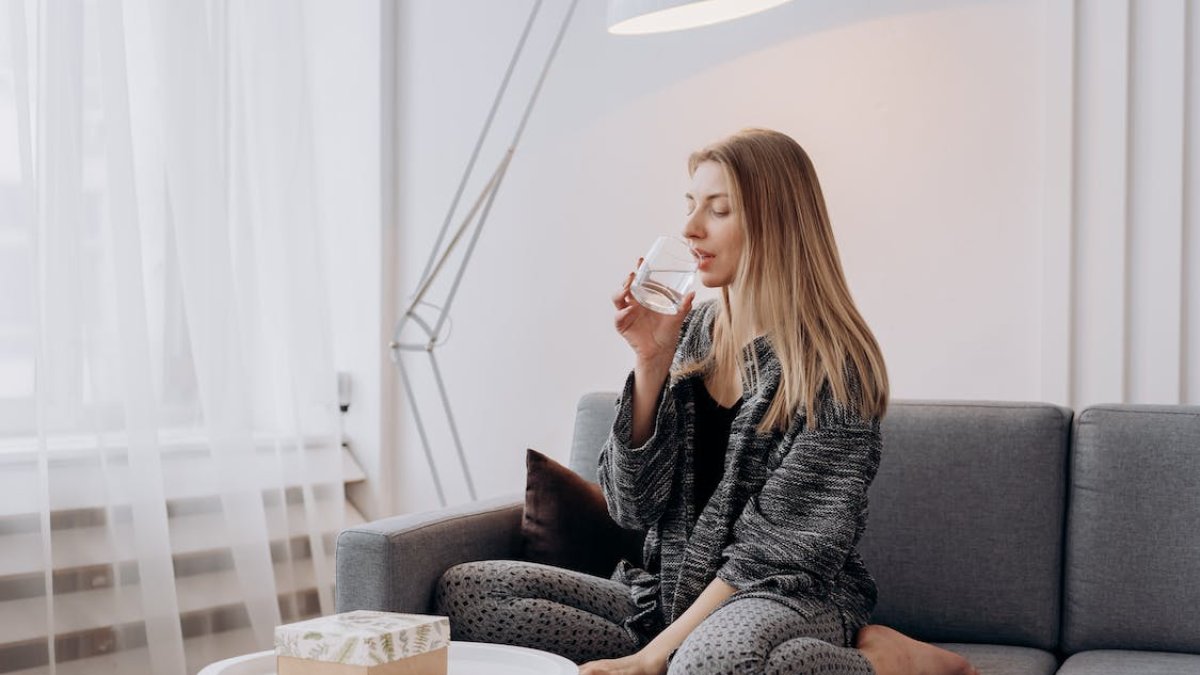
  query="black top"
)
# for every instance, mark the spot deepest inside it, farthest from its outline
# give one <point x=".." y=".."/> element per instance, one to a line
<point x="712" y="439"/>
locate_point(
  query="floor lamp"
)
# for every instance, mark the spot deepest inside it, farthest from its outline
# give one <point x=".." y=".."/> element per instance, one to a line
<point x="624" y="17"/>
<point x="431" y="330"/>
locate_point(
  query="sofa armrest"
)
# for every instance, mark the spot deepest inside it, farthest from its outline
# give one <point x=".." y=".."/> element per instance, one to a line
<point x="393" y="564"/>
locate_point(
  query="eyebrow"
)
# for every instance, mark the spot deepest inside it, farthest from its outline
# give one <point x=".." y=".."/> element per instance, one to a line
<point x="716" y="195"/>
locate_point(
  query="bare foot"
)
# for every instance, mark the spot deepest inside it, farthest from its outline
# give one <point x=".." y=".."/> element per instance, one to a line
<point x="893" y="653"/>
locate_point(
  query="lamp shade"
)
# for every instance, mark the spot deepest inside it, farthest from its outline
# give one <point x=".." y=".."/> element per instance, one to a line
<point x="635" y="17"/>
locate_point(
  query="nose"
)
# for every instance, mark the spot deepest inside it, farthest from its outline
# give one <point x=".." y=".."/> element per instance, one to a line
<point x="693" y="227"/>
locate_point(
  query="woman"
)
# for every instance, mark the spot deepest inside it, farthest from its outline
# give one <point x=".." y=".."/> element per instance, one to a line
<point x="745" y="440"/>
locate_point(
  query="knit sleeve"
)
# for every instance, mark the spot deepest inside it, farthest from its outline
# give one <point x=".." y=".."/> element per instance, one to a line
<point x="637" y="482"/>
<point x="793" y="537"/>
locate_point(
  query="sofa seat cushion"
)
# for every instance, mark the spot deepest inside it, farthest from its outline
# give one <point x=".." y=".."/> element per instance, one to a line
<point x="1003" y="659"/>
<point x="1122" y="662"/>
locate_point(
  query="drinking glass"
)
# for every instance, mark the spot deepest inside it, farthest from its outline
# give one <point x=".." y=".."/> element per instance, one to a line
<point x="666" y="275"/>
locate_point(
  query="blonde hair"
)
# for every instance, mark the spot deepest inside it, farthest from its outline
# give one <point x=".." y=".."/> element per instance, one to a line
<point x="790" y="279"/>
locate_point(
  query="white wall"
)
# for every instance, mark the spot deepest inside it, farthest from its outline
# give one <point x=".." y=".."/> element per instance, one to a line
<point x="345" y="67"/>
<point x="925" y="120"/>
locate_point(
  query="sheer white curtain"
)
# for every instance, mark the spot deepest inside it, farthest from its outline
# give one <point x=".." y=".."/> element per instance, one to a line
<point x="170" y="454"/>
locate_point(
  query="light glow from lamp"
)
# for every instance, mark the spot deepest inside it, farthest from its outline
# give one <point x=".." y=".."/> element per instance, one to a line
<point x="637" y="17"/>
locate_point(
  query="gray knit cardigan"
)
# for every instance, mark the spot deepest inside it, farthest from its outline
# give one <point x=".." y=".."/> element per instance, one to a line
<point x="782" y="524"/>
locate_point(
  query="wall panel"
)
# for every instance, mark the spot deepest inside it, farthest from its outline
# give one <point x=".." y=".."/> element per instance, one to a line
<point x="1102" y="162"/>
<point x="1119" y="216"/>
<point x="1156" y="104"/>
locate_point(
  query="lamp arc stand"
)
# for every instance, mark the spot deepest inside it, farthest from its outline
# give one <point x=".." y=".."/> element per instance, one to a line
<point x="430" y="334"/>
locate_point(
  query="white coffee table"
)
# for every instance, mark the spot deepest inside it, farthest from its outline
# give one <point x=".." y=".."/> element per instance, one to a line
<point x="466" y="658"/>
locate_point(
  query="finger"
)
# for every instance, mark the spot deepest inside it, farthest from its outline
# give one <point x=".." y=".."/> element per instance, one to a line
<point x="624" y="319"/>
<point x="686" y="306"/>
<point x="619" y="297"/>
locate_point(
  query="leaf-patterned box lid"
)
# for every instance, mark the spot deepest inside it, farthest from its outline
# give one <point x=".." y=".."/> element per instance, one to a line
<point x="362" y="638"/>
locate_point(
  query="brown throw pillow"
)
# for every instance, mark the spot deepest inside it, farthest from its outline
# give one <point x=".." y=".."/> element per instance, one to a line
<point x="566" y="521"/>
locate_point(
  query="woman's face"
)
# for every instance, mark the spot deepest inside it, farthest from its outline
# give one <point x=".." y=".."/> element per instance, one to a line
<point x="713" y="227"/>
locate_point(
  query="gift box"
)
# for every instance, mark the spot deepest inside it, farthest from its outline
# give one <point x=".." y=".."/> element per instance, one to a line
<point x="364" y="643"/>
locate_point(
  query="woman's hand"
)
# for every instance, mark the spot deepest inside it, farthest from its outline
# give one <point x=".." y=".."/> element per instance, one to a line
<point x="653" y="336"/>
<point x="634" y="664"/>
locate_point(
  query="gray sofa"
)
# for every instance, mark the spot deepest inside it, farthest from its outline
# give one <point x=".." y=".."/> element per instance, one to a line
<point x="1024" y="539"/>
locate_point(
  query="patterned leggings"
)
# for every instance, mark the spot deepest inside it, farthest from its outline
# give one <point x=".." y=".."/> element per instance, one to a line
<point x="579" y="616"/>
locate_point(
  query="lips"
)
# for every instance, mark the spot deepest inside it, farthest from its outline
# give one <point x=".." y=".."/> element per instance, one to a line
<point x="702" y="257"/>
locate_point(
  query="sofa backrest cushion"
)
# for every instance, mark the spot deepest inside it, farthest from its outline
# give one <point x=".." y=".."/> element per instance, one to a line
<point x="964" y="536"/>
<point x="1132" y="576"/>
<point x="593" y="420"/>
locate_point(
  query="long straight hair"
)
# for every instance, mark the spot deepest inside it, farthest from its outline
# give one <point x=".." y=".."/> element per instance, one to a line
<point x="790" y="279"/>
